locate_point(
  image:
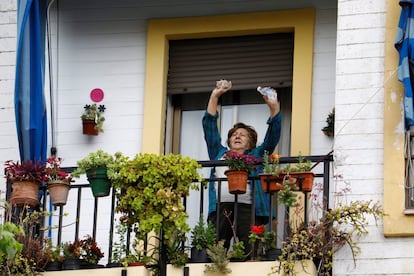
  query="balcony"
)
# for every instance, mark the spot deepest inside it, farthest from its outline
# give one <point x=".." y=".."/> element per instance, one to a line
<point x="96" y="217"/>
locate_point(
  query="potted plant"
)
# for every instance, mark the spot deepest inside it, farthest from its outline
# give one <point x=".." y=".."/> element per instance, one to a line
<point x="58" y="181"/>
<point x="95" y="166"/>
<point x="219" y="259"/>
<point x="238" y="172"/>
<point x="26" y="178"/>
<point x="119" y="246"/>
<point x="319" y="240"/>
<point x="71" y="252"/>
<point x="90" y="252"/>
<point x="263" y="243"/>
<point x="302" y="172"/>
<point x="329" y="129"/>
<point x="55" y="259"/>
<point x="272" y="177"/>
<point x="92" y="119"/>
<point x="149" y="194"/>
<point x="202" y="235"/>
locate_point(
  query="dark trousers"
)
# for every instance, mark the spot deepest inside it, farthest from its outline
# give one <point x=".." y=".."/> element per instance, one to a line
<point x="242" y="225"/>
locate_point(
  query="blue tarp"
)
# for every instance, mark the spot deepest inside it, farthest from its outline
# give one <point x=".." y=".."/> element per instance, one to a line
<point x="30" y="108"/>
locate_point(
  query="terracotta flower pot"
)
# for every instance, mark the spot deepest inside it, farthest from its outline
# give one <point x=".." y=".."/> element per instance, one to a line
<point x="25" y="193"/>
<point x="89" y="127"/>
<point x="58" y="190"/>
<point x="271" y="183"/>
<point x="304" y="180"/>
<point x="237" y="181"/>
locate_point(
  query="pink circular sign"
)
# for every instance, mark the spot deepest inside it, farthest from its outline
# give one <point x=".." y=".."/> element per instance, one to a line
<point x="97" y="95"/>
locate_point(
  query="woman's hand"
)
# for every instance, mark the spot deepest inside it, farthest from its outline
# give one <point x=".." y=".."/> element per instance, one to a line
<point x="273" y="104"/>
<point x="222" y="87"/>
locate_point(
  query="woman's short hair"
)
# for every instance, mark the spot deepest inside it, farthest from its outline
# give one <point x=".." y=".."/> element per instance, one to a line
<point x="250" y="130"/>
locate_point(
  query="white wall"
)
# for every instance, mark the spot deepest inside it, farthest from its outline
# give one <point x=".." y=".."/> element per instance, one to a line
<point x="8" y="136"/>
<point x="359" y="126"/>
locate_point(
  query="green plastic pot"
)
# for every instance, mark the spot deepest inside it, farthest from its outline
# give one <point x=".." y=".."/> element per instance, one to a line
<point x="99" y="181"/>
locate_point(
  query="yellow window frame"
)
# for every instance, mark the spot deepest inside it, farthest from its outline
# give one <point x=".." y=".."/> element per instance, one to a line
<point x="160" y="31"/>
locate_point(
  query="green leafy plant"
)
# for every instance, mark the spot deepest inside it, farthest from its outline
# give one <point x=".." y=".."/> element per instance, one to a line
<point x="119" y="247"/>
<point x="151" y="188"/>
<point x="303" y="165"/>
<point x="318" y="241"/>
<point x="95" y="113"/>
<point x="271" y="163"/>
<point x="93" y="160"/>
<point x="287" y="195"/>
<point x="219" y="259"/>
<point x="240" y="162"/>
<point x="203" y="234"/>
<point x="329" y="129"/>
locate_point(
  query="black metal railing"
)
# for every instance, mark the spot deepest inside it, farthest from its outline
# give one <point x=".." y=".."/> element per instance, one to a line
<point x="321" y="164"/>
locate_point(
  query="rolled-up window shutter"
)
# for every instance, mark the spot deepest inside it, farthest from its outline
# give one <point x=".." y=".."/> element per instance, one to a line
<point x="248" y="61"/>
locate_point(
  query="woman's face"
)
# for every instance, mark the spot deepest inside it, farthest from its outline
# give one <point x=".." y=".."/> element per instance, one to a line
<point x="239" y="140"/>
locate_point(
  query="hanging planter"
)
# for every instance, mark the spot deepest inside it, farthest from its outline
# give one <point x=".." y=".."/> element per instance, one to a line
<point x="304" y="180"/>
<point x="89" y="127"/>
<point x="26" y="178"/>
<point x="58" y="191"/>
<point x="95" y="166"/>
<point x="271" y="183"/>
<point x="58" y="181"/>
<point x="25" y="193"/>
<point x="92" y="119"/>
<point x="237" y="181"/>
<point x="99" y="181"/>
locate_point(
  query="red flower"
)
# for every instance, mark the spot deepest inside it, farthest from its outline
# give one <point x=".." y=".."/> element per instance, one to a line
<point x="257" y="229"/>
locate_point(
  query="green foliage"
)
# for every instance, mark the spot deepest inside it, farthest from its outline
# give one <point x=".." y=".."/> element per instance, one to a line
<point x="319" y="241"/>
<point x="271" y="163"/>
<point x="330" y="124"/>
<point x="218" y="255"/>
<point x="150" y="190"/>
<point x="119" y="247"/>
<point x="93" y="160"/>
<point x="203" y="234"/>
<point x="21" y="251"/>
<point x="287" y="195"/>
<point x="9" y="246"/>
<point x="303" y="165"/>
<point x="94" y="112"/>
<point x="176" y="249"/>
<point x="237" y="252"/>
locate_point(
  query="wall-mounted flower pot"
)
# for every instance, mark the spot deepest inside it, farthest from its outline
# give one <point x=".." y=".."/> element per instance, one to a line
<point x="89" y="127"/>
<point x="237" y="181"/>
<point x="25" y="193"/>
<point x="58" y="191"/>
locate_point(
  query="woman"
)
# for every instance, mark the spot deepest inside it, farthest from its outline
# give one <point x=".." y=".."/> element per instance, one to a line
<point x="241" y="139"/>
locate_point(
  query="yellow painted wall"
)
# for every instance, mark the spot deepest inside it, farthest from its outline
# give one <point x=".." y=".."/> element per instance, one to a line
<point x="396" y="223"/>
<point x="161" y="30"/>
